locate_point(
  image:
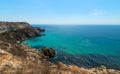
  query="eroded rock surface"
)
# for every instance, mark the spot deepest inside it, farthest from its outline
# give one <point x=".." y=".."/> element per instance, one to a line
<point x="49" y="52"/>
<point x="11" y="26"/>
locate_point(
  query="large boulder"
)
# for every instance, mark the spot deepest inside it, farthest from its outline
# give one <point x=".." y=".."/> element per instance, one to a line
<point x="49" y="52"/>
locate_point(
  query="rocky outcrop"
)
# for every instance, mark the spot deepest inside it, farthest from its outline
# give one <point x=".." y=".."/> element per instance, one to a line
<point x="11" y="26"/>
<point x="17" y="32"/>
<point x="48" y="52"/>
<point x="16" y="58"/>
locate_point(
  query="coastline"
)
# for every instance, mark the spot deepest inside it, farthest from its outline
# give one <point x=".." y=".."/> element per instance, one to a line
<point x="16" y="57"/>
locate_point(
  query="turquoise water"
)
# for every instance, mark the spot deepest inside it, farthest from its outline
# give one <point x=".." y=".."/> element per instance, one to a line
<point x="82" y="45"/>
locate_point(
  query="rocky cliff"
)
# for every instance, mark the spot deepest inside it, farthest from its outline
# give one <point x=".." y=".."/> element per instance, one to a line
<point x="17" y="31"/>
<point x="8" y="26"/>
<point x="16" y="58"/>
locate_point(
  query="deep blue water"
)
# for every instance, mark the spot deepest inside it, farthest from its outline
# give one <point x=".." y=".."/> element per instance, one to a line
<point x="82" y="45"/>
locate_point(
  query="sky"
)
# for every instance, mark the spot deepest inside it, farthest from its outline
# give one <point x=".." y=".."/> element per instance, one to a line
<point x="61" y="11"/>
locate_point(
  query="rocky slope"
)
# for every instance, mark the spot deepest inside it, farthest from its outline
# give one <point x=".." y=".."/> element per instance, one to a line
<point x="8" y="26"/>
<point x="16" y="58"/>
<point x="18" y="31"/>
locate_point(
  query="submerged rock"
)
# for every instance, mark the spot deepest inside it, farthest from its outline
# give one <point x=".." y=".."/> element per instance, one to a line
<point x="49" y="52"/>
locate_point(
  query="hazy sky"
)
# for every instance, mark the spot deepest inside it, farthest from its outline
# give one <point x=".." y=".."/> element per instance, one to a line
<point x="61" y="11"/>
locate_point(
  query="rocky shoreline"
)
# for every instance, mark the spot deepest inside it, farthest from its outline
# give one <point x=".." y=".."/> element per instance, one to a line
<point x="16" y="58"/>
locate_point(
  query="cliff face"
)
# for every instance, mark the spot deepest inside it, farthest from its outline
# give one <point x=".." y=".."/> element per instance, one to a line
<point x="16" y="58"/>
<point x="13" y="32"/>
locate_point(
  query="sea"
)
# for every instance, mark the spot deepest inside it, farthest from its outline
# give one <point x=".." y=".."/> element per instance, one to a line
<point x="82" y="45"/>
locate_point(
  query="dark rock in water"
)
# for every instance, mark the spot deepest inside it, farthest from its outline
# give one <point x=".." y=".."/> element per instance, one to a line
<point x="42" y="34"/>
<point x="49" y="52"/>
<point x="42" y="30"/>
<point x="38" y="46"/>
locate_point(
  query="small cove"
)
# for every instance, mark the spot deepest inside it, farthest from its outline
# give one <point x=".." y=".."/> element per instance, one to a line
<point x="82" y="45"/>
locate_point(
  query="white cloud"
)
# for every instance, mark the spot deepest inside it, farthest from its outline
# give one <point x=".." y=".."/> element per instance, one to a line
<point x="98" y="13"/>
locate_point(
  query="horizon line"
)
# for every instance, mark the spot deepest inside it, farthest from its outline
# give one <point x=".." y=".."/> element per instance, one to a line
<point x="70" y="24"/>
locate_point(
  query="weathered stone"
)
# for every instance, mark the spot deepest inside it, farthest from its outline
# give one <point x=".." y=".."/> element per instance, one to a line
<point x="12" y="26"/>
<point x="49" y="52"/>
<point x="23" y="32"/>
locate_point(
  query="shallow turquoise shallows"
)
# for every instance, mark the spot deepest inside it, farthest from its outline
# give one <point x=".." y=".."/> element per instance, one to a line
<point x="82" y="45"/>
